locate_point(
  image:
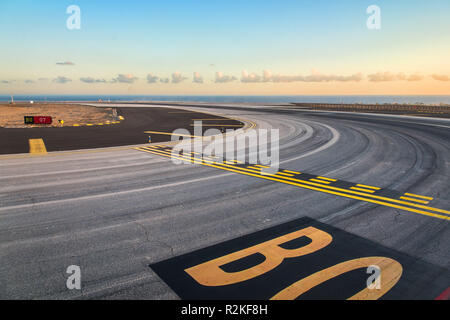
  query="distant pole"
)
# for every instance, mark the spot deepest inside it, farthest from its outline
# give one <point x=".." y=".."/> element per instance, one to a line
<point x="12" y="99"/>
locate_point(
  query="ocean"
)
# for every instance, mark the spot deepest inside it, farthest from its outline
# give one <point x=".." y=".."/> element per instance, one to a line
<point x="345" y="99"/>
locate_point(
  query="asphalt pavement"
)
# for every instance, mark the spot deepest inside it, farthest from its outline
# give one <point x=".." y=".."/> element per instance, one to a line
<point x="121" y="214"/>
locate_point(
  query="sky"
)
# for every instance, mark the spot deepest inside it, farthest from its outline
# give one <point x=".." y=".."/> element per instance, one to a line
<point x="211" y="47"/>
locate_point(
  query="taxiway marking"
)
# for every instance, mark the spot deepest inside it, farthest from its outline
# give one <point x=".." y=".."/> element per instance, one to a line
<point x="348" y="193"/>
<point x="37" y="146"/>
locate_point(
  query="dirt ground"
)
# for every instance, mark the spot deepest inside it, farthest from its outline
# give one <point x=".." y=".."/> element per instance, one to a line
<point x="12" y="115"/>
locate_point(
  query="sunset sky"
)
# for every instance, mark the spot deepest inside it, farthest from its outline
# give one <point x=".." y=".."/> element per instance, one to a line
<point x="298" y="47"/>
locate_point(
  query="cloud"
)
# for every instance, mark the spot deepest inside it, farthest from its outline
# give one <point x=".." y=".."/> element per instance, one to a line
<point x="7" y="81"/>
<point x="92" y="80"/>
<point x="177" y="77"/>
<point x="387" y="76"/>
<point x="67" y="63"/>
<point x="29" y="81"/>
<point x="164" y="80"/>
<point x="415" y="77"/>
<point x="62" y="80"/>
<point x="197" y="78"/>
<point x="152" y="79"/>
<point x="250" y="78"/>
<point x="43" y="79"/>
<point x="440" y="77"/>
<point x="314" y="77"/>
<point x="221" y="78"/>
<point x="124" y="78"/>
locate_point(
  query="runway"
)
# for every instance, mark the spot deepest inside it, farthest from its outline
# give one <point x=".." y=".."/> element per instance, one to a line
<point x="117" y="213"/>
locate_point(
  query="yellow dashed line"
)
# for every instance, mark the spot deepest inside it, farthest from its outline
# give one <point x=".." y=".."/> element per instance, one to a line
<point x="415" y="200"/>
<point x="294" y="172"/>
<point x="286" y="174"/>
<point x="418" y="196"/>
<point x="369" y="187"/>
<point x="320" y="181"/>
<point x="329" y="179"/>
<point x="364" y="190"/>
<point x="309" y="185"/>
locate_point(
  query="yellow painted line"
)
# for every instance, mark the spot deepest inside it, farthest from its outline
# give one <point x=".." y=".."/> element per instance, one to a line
<point x="218" y="125"/>
<point x="294" y="172"/>
<point x="418" y="196"/>
<point x="89" y="124"/>
<point x="366" y="198"/>
<point x="369" y="187"/>
<point x="415" y="200"/>
<point x="320" y="181"/>
<point x="212" y="119"/>
<point x="121" y="118"/>
<point x="286" y="174"/>
<point x="364" y="190"/>
<point x="183" y="112"/>
<point x="256" y="168"/>
<point x="325" y="178"/>
<point x="99" y="124"/>
<point x="37" y="146"/>
<point x="171" y="134"/>
<point x="258" y="165"/>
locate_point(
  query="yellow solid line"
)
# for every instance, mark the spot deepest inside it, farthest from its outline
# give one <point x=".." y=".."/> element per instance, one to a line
<point x="325" y="178"/>
<point x="369" y="187"/>
<point x="418" y="196"/>
<point x="312" y="188"/>
<point x="89" y="124"/>
<point x="359" y="189"/>
<point x="359" y="193"/>
<point x="320" y="181"/>
<point x="37" y="146"/>
<point x="218" y="125"/>
<point x="415" y="200"/>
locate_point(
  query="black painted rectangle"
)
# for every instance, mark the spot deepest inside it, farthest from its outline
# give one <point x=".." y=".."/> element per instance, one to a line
<point x="29" y="119"/>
